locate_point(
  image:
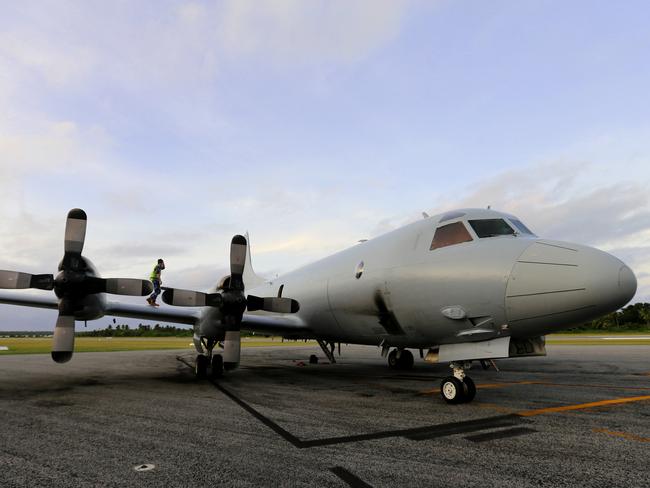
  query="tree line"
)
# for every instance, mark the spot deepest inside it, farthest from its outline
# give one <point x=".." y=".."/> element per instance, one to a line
<point x="634" y="317"/>
<point x="123" y="330"/>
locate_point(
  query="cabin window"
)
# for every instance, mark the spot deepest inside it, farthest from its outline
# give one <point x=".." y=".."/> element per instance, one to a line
<point x="491" y="227"/>
<point x="521" y="227"/>
<point x="450" y="234"/>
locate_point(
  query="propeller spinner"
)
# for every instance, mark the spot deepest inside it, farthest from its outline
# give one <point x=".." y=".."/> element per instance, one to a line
<point x="76" y="285"/>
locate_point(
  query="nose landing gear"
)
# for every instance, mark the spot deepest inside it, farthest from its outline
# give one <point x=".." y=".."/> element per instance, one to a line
<point x="458" y="388"/>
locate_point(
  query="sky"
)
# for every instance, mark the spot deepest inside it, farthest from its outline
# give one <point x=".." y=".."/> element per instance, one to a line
<point x="313" y="124"/>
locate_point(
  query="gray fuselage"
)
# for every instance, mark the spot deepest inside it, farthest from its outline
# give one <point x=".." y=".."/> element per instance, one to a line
<point x="396" y="290"/>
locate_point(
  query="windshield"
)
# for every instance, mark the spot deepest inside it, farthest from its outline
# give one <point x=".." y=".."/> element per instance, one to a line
<point x="491" y="227"/>
<point x="450" y="234"/>
<point x="521" y="227"/>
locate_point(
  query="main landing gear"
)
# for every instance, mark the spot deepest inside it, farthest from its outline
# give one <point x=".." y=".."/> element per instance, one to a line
<point x="400" y="359"/>
<point x="213" y="362"/>
<point x="458" y="388"/>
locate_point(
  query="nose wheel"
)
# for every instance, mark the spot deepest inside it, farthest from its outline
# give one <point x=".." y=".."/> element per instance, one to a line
<point x="458" y="388"/>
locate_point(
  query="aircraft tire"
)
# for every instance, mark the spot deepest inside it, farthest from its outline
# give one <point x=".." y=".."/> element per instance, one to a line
<point x="405" y="360"/>
<point x="201" y="366"/>
<point x="452" y="390"/>
<point x="217" y="366"/>
<point x="393" y="363"/>
<point x="470" y="391"/>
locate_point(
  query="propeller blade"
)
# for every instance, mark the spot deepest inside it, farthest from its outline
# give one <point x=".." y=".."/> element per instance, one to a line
<point x="63" y="340"/>
<point x="189" y="298"/>
<point x="14" y="280"/>
<point x="128" y="286"/>
<point x="272" y="304"/>
<point x="238" y="249"/>
<point x="75" y="231"/>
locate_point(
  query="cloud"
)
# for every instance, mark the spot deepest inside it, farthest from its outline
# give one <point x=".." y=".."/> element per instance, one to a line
<point x="294" y="31"/>
<point x="553" y="199"/>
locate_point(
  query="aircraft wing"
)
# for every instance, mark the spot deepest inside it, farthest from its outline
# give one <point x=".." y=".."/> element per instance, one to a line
<point x="288" y="326"/>
<point x="49" y="302"/>
<point x="166" y="314"/>
<point x="127" y="310"/>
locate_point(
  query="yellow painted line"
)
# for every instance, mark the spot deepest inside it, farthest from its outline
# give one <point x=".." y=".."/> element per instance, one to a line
<point x="624" y="435"/>
<point x="587" y="385"/>
<point x="582" y="406"/>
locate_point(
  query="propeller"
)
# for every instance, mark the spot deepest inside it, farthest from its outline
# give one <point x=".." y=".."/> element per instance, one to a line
<point x="232" y="301"/>
<point x="75" y="283"/>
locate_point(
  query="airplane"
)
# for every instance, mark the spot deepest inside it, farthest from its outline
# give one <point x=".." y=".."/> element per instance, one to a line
<point x="463" y="286"/>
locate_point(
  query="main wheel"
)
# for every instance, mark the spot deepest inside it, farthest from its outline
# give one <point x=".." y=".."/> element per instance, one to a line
<point x="201" y="366"/>
<point x="470" y="389"/>
<point x="452" y="390"/>
<point x="405" y="360"/>
<point x="217" y="366"/>
<point x="392" y="359"/>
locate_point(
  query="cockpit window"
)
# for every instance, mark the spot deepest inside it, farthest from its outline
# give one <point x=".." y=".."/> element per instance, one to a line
<point x="521" y="227"/>
<point x="491" y="227"/>
<point x="450" y="234"/>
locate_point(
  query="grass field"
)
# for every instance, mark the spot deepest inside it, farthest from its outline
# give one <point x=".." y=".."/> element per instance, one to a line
<point x="600" y="339"/>
<point x="43" y="345"/>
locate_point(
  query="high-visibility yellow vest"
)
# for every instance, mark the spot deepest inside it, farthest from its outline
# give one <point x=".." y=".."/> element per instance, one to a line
<point x="155" y="274"/>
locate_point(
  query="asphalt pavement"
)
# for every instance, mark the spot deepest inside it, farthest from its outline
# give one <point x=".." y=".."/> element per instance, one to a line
<point x="578" y="417"/>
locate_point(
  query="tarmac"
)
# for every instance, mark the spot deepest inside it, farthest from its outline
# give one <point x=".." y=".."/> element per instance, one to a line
<point x="578" y="417"/>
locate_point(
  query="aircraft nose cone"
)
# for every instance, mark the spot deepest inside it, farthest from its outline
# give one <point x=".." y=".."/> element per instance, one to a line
<point x="555" y="285"/>
<point x="626" y="284"/>
<point x="609" y="282"/>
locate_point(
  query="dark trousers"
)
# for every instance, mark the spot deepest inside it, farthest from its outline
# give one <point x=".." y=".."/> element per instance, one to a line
<point x="156" y="290"/>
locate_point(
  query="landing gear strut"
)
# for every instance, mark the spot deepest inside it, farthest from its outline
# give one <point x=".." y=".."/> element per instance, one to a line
<point x="400" y="359"/>
<point x="458" y="388"/>
<point x="203" y="361"/>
